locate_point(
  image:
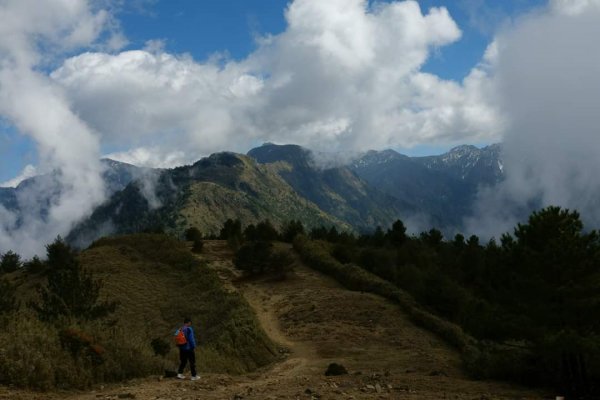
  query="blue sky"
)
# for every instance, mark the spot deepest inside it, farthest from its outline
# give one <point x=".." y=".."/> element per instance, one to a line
<point x="230" y="27"/>
<point x="203" y="28"/>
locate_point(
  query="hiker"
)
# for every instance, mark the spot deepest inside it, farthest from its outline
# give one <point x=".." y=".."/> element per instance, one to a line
<point x="186" y="350"/>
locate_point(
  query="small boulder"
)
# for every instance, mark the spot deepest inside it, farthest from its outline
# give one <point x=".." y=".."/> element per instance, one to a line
<point x="335" y="370"/>
<point x="170" y="373"/>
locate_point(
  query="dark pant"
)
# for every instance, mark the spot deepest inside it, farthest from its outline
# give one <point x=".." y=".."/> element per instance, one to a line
<point x="184" y="357"/>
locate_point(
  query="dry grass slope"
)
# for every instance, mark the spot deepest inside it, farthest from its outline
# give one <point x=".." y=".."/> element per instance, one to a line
<point x="157" y="282"/>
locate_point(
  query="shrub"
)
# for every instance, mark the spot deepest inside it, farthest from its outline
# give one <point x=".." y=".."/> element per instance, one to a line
<point x="232" y="232"/>
<point x="46" y="357"/>
<point x="192" y="234"/>
<point x="81" y="345"/>
<point x="37" y="349"/>
<point x="34" y="266"/>
<point x="71" y="291"/>
<point x="198" y="246"/>
<point x="10" y="262"/>
<point x="254" y="257"/>
<point x="343" y="253"/>
<point x="8" y="300"/>
<point x="291" y="229"/>
<point x="266" y="231"/>
<point x="257" y="258"/>
<point x="160" y="347"/>
<point x="280" y="263"/>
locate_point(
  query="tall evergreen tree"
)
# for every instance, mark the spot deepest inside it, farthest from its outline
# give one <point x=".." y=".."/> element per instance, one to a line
<point x="10" y="262"/>
<point x="8" y="300"/>
<point x="71" y="292"/>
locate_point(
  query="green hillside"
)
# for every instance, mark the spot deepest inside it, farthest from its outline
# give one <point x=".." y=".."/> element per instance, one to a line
<point x="156" y="282"/>
<point x="336" y="190"/>
<point x="204" y="195"/>
<point x="246" y="191"/>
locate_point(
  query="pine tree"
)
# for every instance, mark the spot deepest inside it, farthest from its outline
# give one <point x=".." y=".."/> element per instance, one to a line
<point x="8" y="301"/>
<point x="71" y="292"/>
<point x="10" y="262"/>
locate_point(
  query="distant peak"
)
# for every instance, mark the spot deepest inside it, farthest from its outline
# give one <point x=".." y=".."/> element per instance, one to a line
<point x="293" y="153"/>
<point x="464" y="148"/>
<point x="225" y="158"/>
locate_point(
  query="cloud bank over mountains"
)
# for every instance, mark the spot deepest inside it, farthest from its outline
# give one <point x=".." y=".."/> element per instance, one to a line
<point x="544" y="69"/>
<point x="32" y="36"/>
<point x="345" y="75"/>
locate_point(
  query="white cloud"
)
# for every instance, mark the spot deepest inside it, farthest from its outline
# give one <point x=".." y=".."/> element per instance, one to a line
<point x="574" y="7"/>
<point x="28" y="172"/>
<point x="344" y="75"/>
<point x="31" y="34"/>
<point x="545" y="73"/>
<point x="150" y="157"/>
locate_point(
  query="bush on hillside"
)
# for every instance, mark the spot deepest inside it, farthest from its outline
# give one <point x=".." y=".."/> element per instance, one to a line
<point x="343" y="253"/>
<point x="232" y="232"/>
<point x="71" y="292"/>
<point x="71" y="357"/>
<point x="266" y="231"/>
<point x="34" y="266"/>
<point x="10" y="262"/>
<point x="192" y="234"/>
<point x="8" y="301"/>
<point x="291" y="229"/>
<point x="198" y="246"/>
<point x="263" y="231"/>
<point x="256" y="258"/>
<point x="160" y="347"/>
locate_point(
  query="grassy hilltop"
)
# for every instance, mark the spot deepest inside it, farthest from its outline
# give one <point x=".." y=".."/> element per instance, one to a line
<point x="156" y="282"/>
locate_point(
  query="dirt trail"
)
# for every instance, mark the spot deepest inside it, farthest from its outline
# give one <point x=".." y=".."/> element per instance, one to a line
<point x="317" y="322"/>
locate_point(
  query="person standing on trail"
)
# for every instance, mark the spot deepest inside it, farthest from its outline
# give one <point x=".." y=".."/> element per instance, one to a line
<point x="186" y="349"/>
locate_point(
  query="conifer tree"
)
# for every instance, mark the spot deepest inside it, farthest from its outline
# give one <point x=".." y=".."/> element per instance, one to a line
<point x="8" y="301"/>
<point x="10" y="261"/>
<point x="71" y="292"/>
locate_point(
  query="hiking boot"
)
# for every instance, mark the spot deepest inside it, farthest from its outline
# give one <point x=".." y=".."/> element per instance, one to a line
<point x="180" y="376"/>
<point x="195" y="378"/>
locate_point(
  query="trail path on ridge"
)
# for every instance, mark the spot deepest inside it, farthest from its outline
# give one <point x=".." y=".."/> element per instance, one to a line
<point x="315" y="322"/>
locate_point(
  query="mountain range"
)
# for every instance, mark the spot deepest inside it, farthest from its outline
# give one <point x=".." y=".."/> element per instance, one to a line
<point x="33" y="196"/>
<point x="281" y="183"/>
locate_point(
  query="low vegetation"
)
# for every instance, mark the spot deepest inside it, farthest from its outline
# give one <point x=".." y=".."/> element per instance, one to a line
<point x="259" y="258"/>
<point x="130" y="293"/>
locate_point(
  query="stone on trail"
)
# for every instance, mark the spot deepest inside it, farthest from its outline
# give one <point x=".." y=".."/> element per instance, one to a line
<point x="335" y="369"/>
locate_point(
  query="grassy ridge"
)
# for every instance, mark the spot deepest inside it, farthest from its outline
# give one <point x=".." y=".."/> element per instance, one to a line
<point x="482" y="359"/>
<point x="315" y="254"/>
<point x="157" y="282"/>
